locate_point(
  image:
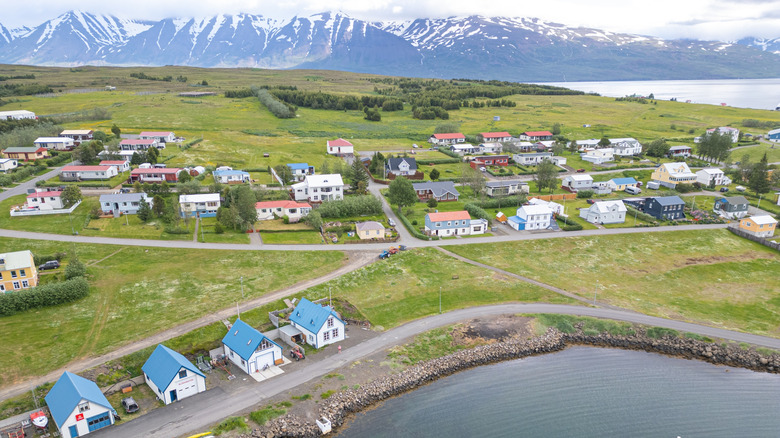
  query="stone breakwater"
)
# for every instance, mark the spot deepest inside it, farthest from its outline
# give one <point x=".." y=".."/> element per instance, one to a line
<point x="341" y="405"/>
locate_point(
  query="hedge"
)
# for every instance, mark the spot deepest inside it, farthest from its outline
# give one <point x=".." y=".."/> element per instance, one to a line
<point x="639" y="215"/>
<point x="424" y="161"/>
<point x="412" y="229"/>
<point x="43" y="296"/>
<point x="499" y="202"/>
<point x="41" y="259"/>
<point x="448" y="152"/>
<point x="570" y="225"/>
<point x="476" y="211"/>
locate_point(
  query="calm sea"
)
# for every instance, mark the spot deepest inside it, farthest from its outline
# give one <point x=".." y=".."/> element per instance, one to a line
<point x="742" y="93"/>
<point x="584" y="392"/>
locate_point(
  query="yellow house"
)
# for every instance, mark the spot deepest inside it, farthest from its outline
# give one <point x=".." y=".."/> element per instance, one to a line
<point x="761" y="226"/>
<point x="671" y="174"/>
<point x="17" y="271"/>
<point x="370" y="230"/>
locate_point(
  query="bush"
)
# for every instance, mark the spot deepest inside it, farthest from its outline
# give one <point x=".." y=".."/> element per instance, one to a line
<point x="685" y="188"/>
<point x="476" y="211"/>
<point x="501" y="201"/>
<point x="43" y="296"/>
<point x="584" y="194"/>
<point x="75" y="269"/>
<point x="414" y="222"/>
<point x="280" y="109"/>
<point x="218" y="228"/>
<point x="41" y="259"/>
<point x="574" y="227"/>
<point x="350" y="207"/>
<point x="433" y="203"/>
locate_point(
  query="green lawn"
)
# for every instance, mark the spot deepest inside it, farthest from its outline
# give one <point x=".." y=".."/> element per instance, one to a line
<point x="111" y="182"/>
<point x="227" y="236"/>
<point x="136" y="292"/>
<point x="50" y="223"/>
<point x="296" y="237"/>
<point x="757" y="152"/>
<point x="709" y="276"/>
<point x="130" y="227"/>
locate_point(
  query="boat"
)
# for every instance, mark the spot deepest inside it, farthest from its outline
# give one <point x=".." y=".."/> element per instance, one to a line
<point x="39" y="419"/>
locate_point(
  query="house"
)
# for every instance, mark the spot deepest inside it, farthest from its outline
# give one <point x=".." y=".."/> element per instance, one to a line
<point x="759" y="226"/>
<point x="230" y="176"/>
<point x="620" y="184"/>
<point x="17" y="115"/>
<point x="320" y="325"/>
<point x="536" y="135"/>
<point x="577" y="182"/>
<point x="491" y="148"/>
<point x="671" y="174"/>
<point x="525" y="146"/>
<point x="300" y="170"/>
<point x="495" y="137"/>
<point x="370" y="230"/>
<point x="113" y="155"/>
<point x="26" y="153"/>
<point x="531" y="217"/>
<point x="123" y="203"/>
<point x="340" y="148"/>
<point x="55" y="143"/>
<point x="447" y="139"/>
<point x="489" y="160"/>
<point x="439" y="190"/>
<point x="625" y="147"/>
<point x="605" y="212"/>
<point x="171" y="376"/>
<point x="7" y="164"/>
<point x="249" y="349"/>
<point x="732" y="207"/>
<point x="294" y="211"/>
<point x="478" y="226"/>
<point x="121" y="165"/>
<point x="505" y="188"/>
<point x="78" y="407"/>
<point x="155" y="175"/>
<point x="84" y="173"/>
<point x="558" y="161"/>
<point x="450" y="223"/>
<point x="726" y="130"/>
<point x="200" y="205"/>
<point x="45" y="200"/>
<point x="318" y="188"/>
<point x="531" y="159"/>
<point x="599" y="156"/>
<point x="660" y="207"/>
<point x="554" y="207"/>
<point x="711" y="177"/>
<point x="17" y="271"/>
<point x="160" y="137"/>
<point x="401" y="166"/>
<point x="134" y="144"/>
<point x="464" y="149"/>
<point x="773" y="135"/>
<point x="591" y="143"/>
<point x="680" y="151"/>
<point x="78" y="135"/>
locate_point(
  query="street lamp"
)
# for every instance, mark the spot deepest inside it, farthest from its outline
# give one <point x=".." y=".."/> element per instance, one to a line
<point x="242" y="287"/>
<point x="72" y="230"/>
<point x="439" y="299"/>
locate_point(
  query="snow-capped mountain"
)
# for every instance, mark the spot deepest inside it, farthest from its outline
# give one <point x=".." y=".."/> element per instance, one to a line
<point x="764" y="44"/>
<point x="478" y="47"/>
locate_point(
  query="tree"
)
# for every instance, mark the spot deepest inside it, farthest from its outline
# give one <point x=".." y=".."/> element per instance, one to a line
<point x="657" y="148"/>
<point x="573" y="147"/>
<point x="558" y="147"/>
<point x="189" y="188"/>
<point x="314" y="220"/>
<point x="472" y="178"/>
<point x="70" y="196"/>
<point x="85" y="152"/>
<point x="358" y="174"/>
<point x="284" y="172"/>
<point x="244" y="201"/>
<point x="373" y="115"/>
<point x="144" y="210"/>
<point x="204" y="83"/>
<point x="324" y="169"/>
<point x="158" y="205"/>
<point x="604" y="142"/>
<point x="744" y="168"/>
<point x="377" y="161"/>
<point x="138" y="158"/>
<point x="434" y="174"/>
<point x="715" y="146"/>
<point x="433" y="203"/>
<point x="116" y="131"/>
<point x="75" y="268"/>
<point x="556" y="128"/>
<point x="100" y="136"/>
<point x="401" y="193"/>
<point x="546" y="176"/>
<point x="758" y="181"/>
<point x="151" y="155"/>
<point x="774" y="180"/>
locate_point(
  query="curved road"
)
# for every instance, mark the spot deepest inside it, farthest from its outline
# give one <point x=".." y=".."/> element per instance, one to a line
<point x="199" y="412"/>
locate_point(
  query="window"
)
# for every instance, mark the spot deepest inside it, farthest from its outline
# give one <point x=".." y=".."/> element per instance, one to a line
<point x="330" y="322"/>
<point x="326" y="336"/>
<point x="22" y="273"/>
<point x="335" y="333"/>
<point x="84" y="407"/>
<point x="231" y="353"/>
<point x="16" y="285"/>
<point x="311" y="338"/>
<point x="265" y="344"/>
<point x="1" y="275"/>
<point x="242" y="362"/>
<point x="182" y="374"/>
<point x="25" y="284"/>
<point x="2" y="287"/>
<point x="13" y="274"/>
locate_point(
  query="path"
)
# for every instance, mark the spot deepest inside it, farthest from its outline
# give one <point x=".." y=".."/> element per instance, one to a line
<point x="22" y="188"/>
<point x="197" y="413"/>
<point x="195" y="234"/>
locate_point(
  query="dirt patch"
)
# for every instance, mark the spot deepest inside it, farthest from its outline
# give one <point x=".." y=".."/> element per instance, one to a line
<point x="723" y="259"/>
<point x="486" y="331"/>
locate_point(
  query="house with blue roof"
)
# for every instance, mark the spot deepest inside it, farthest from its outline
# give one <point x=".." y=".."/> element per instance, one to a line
<point x="230" y="176"/>
<point x="171" y="376"/>
<point x="300" y="170"/>
<point x="620" y="184"/>
<point x="249" y="349"/>
<point x="78" y="407"/>
<point x="320" y="325"/>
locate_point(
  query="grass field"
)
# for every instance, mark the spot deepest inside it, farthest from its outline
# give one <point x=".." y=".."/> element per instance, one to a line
<point x="52" y="223"/>
<point x="292" y="238"/>
<point x="136" y="292"/>
<point x="710" y="277"/>
<point x="130" y="227"/>
<point x="757" y="152"/>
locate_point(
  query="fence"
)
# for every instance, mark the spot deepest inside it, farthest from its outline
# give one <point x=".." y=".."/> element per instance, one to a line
<point x="44" y="212"/>
<point x="558" y="197"/>
<point x="761" y="240"/>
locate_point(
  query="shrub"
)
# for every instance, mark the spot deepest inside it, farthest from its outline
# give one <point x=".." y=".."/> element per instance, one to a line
<point x="41" y="259"/>
<point x="584" y="194"/>
<point x="501" y="201"/>
<point x="414" y="222"/>
<point x="350" y="207"/>
<point x="685" y="188"/>
<point x="218" y="228"/>
<point x="75" y="269"/>
<point x="280" y="109"/>
<point x="476" y="211"/>
<point x="263" y="415"/>
<point x="433" y="203"/>
<point x="229" y="424"/>
<point x="43" y="296"/>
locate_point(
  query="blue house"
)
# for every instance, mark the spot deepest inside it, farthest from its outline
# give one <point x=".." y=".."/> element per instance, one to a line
<point x="230" y="176"/>
<point x="620" y="184"/>
<point x="320" y="325"/>
<point x="78" y="407"/>
<point x="249" y="349"/>
<point x="774" y="135"/>
<point x="660" y="207"/>
<point x="300" y="170"/>
<point x="171" y="376"/>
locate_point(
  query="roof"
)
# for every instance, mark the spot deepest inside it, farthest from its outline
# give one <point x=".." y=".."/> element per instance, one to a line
<point x="623" y="181"/>
<point x="338" y="142"/>
<point x="605" y="206"/>
<point x="449" y="136"/>
<point x="138" y="141"/>
<point x="535" y="154"/>
<point x="537" y="133"/>
<point x="774" y="131"/>
<point x="76" y="132"/>
<point x="16" y="113"/>
<point x="679" y="148"/>
<point x="736" y="200"/>
<point x="123" y="197"/>
<point x="17" y="259"/>
<point x="298" y="166"/>
<point x="311" y="316"/>
<point x="764" y="219"/>
<point x="495" y="184"/>
<point x="200" y="197"/>
<point x="449" y="216"/>
<point x="66" y="394"/>
<point x="85" y="168"/>
<point x="676" y="168"/>
<point x="438" y="188"/>
<point x="281" y="204"/>
<point x="229" y="172"/>
<point x="156" y="133"/>
<point x="22" y="150"/>
<point x="53" y="140"/>
<point x="46" y="193"/>
<point x="495" y="134"/>
<point x="164" y="364"/>
<point x="393" y="163"/>
<point x="328" y="180"/>
<point x="244" y="339"/>
<point x="535" y="209"/>
<point x="580" y="177"/>
<point x="723" y="129"/>
<point x="369" y="226"/>
<point x="711" y="170"/>
<point x="463" y="146"/>
<point x="113" y="162"/>
<point x="668" y="200"/>
<point x="164" y="170"/>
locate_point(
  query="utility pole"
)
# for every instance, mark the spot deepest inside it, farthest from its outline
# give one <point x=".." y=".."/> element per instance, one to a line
<point x="439" y="299"/>
<point x="330" y="298"/>
<point x="595" y="292"/>
<point x="242" y="287"/>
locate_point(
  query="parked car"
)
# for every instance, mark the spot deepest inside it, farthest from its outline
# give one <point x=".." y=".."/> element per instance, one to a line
<point x="482" y="169"/>
<point x="384" y="254"/>
<point x="740" y="189"/>
<point x="724" y="189"/>
<point x="393" y="250"/>
<point x="51" y="264"/>
<point x="580" y="170"/>
<point x="415" y="146"/>
<point x="130" y="405"/>
<point x="391" y="222"/>
<point x="591" y="201"/>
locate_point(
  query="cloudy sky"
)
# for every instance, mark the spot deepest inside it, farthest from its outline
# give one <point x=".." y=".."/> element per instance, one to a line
<point x="698" y="19"/>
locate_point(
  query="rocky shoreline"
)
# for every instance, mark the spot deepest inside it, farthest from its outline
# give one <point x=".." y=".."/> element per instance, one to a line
<point x="341" y="405"/>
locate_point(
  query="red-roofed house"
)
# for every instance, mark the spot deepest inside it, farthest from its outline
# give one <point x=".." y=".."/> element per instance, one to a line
<point x="158" y="136"/>
<point x="453" y="223"/>
<point x="495" y="137"/>
<point x="274" y="209"/>
<point x="121" y="165"/>
<point x="45" y="200"/>
<point x="536" y="136"/>
<point x="340" y="147"/>
<point x="446" y="139"/>
<point x="84" y="173"/>
<point x="489" y="160"/>
<point x="130" y="144"/>
<point x="155" y="175"/>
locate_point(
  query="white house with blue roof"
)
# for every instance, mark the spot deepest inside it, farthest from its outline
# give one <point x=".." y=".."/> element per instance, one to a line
<point x="78" y="407"/>
<point x="249" y="349"/>
<point x="532" y="217"/>
<point x="320" y="325"/>
<point x="171" y="376"/>
<point x="230" y="176"/>
<point x="300" y="170"/>
<point x="620" y="184"/>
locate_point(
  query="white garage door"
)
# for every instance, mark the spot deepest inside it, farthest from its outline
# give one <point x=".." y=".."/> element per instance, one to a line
<point x="267" y="358"/>
<point x="187" y="388"/>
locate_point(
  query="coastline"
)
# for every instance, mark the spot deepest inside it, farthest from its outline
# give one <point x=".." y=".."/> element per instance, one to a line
<point x="341" y="406"/>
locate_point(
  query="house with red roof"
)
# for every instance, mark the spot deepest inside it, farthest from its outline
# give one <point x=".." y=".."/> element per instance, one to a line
<point x="45" y="200"/>
<point x="489" y="160"/>
<point x="268" y="210"/>
<point x="447" y="139"/>
<point x="340" y="147"/>
<point x="121" y="165"/>
<point x="136" y="144"/>
<point x="88" y="173"/>
<point x="495" y="137"/>
<point x="155" y="175"/>
<point x="536" y="136"/>
<point x="453" y="223"/>
<point x="161" y="137"/>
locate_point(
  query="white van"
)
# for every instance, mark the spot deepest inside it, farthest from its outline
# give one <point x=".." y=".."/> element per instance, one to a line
<point x="655" y="185"/>
<point x="633" y="190"/>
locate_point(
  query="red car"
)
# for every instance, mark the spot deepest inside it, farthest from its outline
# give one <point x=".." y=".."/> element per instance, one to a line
<point x="580" y="170"/>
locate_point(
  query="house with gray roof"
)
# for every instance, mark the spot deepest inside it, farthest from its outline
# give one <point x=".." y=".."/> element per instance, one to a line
<point x="123" y="203"/>
<point x="505" y="188"/>
<point x="438" y="190"/>
<point x="401" y="166"/>
<point x="732" y="207"/>
<point x="660" y="207"/>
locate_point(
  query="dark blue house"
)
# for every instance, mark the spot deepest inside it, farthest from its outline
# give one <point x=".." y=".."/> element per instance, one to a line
<point x="659" y="207"/>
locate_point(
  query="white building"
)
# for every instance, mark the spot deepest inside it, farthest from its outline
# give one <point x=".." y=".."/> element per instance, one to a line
<point x="7" y="164"/>
<point x="554" y="207"/>
<point x="249" y="349"/>
<point x="625" y="147"/>
<point x="318" y="188"/>
<point x="83" y="173"/>
<point x="202" y="204"/>
<point x="45" y="200"/>
<point x="134" y="144"/>
<point x="171" y="376"/>
<point x="726" y="130"/>
<point x="320" y="325"/>
<point x="295" y="211"/>
<point x="505" y="188"/>
<point x="78" y="407"/>
<point x="577" y="182"/>
<point x="491" y="148"/>
<point x="123" y="203"/>
<point x="464" y="149"/>
<point x="605" y="212"/>
<point x="531" y="217"/>
<point x="712" y="176"/>
<point x="17" y="115"/>
<point x="78" y="135"/>
<point x="55" y="143"/>
<point x="531" y="159"/>
<point x="121" y="165"/>
<point x="599" y="156"/>
<point x="340" y="147"/>
<point x="158" y="136"/>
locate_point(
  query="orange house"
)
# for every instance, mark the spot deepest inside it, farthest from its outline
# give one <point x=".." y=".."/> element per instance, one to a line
<point x="761" y="226"/>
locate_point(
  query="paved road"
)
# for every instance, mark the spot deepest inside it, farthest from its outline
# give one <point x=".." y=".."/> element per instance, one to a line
<point x="22" y="188"/>
<point x="199" y="412"/>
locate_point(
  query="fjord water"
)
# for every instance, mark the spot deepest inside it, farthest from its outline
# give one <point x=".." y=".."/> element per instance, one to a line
<point x="741" y="93"/>
<point x="584" y="392"/>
